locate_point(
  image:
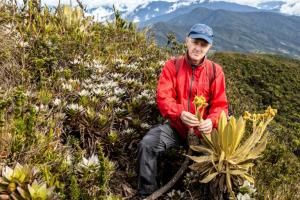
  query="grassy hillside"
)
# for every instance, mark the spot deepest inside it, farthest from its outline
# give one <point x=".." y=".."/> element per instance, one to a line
<point x="76" y="97"/>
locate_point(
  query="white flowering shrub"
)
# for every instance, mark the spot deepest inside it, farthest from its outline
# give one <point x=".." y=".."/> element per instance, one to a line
<point x="86" y="93"/>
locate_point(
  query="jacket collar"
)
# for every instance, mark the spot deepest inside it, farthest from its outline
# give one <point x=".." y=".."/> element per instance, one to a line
<point x="188" y="61"/>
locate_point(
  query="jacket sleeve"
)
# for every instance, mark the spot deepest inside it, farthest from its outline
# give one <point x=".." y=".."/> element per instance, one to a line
<point x="166" y="93"/>
<point x="218" y="99"/>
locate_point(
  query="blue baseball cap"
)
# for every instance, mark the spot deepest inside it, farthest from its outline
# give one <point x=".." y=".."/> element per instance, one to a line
<point x="201" y="31"/>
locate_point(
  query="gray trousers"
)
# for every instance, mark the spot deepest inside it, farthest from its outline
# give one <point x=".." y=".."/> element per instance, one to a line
<point x="156" y="141"/>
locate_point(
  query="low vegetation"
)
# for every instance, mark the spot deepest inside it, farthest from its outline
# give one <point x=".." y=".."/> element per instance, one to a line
<point x="76" y="96"/>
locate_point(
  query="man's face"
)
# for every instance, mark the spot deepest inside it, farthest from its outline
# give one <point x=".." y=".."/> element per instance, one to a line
<point x="197" y="49"/>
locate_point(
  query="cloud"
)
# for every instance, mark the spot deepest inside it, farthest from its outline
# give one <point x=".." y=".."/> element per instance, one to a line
<point x="245" y="2"/>
<point x="292" y="7"/>
<point x="93" y="3"/>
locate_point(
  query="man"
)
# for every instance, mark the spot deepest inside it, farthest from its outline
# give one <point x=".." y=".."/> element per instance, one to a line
<point x="180" y="81"/>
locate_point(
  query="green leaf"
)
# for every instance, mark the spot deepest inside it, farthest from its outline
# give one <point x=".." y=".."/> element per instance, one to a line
<point x="209" y="177"/>
<point x="231" y="135"/>
<point x="221" y="126"/>
<point x="256" y="151"/>
<point x="248" y="177"/>
<point x="228" y="182"/>
<point x="221" y="160"/>
<point x="200" y="159"/>
<point x="24" y="194"/>
<point x="236" y="172"/>
<point x="215" y="141"/>
<point x="222" y="122"/>
<point x="225" y="143"/>
<point x="201" y="167"/>
<point x="240" y="130"/>
<point x="200" y="148"/>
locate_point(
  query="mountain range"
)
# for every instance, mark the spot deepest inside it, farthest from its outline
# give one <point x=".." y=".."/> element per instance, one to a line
<point x="260" y="32"/>
<point x="242" y="28"/>
<point x="144" y="10"/>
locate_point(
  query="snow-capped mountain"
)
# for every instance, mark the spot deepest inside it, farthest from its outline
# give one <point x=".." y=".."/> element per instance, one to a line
<point x="145" y="10"/>
<point x="271" y="5"/>
<point x="161" y="10"/>
<point x="259" y="26"/>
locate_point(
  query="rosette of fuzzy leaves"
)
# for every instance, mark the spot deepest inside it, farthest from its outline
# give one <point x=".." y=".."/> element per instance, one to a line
<point x="226" y="159"/>
<point x="19" y="183"/>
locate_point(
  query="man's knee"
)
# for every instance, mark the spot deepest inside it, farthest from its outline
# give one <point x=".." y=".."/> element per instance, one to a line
<point x="148" y="142"/>
<point x="151" y="139"/>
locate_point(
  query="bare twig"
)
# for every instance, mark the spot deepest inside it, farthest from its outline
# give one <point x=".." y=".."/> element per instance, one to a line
<point x="81" y="5"/>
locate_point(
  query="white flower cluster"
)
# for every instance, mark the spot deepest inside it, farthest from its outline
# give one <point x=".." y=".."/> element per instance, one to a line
<point x="96" y="67"/>
<point x="131" y="81"/>
<point x="76" y="61"/>
<point x="94" y="77"/>
<point x="249" y="186"/>
<point x="67" y="87"/>
<point x="151" y="102"/>
<point x="23" y="44"/>
<point x="87" y="84"/>
<point x="57" y="101"/>
<point x="105" y="87"/>
<point x="145" y="125"/>
<point x="60" y="116"/>
<point x="119" y="60"/>
<point x="113" y="99"/>
<point x="90" y="162"/>
<point x="161" y="63"/>
<point x="68" y="159"/>
<point x="132" y="66"/>
<point x="243" y="196"/>
<point x="84" y="93"/>
<point x="119" y="91"/>
<point x="145" y="94"/>
<point x="119" y="110"/>
<point x="74" y="81"/>
<point x="112" y="86"/>
<point x="28" y="93"/>
<point x="87" y="81"/>
<point x="99" y="91"/>
<point x="116" y="75"/>
<point x="250" y="191"/>
<point x="75" y="107"/>
<point x="151" y="71"/>
<point x="128" y="131"/>
<point x="41" y="108"/>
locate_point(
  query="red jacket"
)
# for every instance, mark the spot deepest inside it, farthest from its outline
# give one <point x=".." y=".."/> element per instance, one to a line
<point x="176" y="91"/>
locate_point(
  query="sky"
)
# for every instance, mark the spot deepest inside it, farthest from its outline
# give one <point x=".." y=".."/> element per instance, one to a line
<point x="290" y="7"/>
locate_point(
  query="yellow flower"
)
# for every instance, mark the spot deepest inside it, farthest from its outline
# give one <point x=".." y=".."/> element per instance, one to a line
<point x="200" y="102"/>
<point x="260" y="116"/>
<point x="254" y="117"/>
<point x="270" y="112"/>
<point x="246" y="115"/>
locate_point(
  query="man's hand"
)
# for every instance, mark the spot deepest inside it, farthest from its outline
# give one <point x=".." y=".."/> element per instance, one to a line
<point x="205" y="126"/>
<point x="189" y="119"/>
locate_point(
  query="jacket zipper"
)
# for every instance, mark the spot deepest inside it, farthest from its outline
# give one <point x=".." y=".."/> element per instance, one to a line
<point x="190" y="94"/>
